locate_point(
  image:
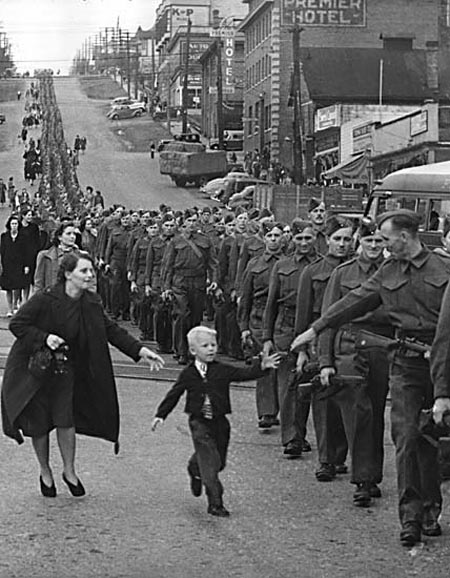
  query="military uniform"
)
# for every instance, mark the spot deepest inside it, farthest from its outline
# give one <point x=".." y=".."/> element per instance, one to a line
<point x="116" y="258"/>
<point x="229" y="340"/>
<point x="411" y="292"/>
<point x="255" y="290"/>
<point x="361" y="405"/>
<point x="311" y="290"/>
<point x="186" y="271"/>
<point x="153" y="278"/>
<point x="143" y="305"/>
<point x="251" y="246"/>
<point x="279" y="327"/>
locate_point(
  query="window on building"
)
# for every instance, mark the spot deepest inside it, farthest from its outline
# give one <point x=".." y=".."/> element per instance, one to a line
<point x="268" y="117"/>
<point x="394" y="43"/>
<point x="256" y="116"/>
<point x="250" y="120"/>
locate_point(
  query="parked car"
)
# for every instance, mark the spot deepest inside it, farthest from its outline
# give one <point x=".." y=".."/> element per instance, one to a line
<point x="122" y="100"/>
<point x="2" y="118"/>
<point x="242" y="199"/>
<point x="213" y="187"/>
<point x="125" y="111"/>
<point x="233" y="140"/>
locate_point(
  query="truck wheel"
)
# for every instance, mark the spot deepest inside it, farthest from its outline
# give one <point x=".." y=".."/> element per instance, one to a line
<point x="179" y="181"/>
<point x="115" y="117"/>
<point x="138" y="113"/>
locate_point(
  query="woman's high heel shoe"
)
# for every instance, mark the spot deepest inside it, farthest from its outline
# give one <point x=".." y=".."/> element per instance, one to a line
<point x="47" y="491"/>
<point x="76" y="490"/>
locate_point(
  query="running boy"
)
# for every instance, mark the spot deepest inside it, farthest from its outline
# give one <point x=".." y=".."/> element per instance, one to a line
<point x="207" y="383"/>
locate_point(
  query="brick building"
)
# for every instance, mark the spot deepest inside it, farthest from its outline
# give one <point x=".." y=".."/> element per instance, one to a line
<point x="340" y="54"/>
<point x="171" y="29"/>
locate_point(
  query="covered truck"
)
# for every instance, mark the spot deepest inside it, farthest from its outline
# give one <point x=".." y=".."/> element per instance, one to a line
<point x="191" y="163"/>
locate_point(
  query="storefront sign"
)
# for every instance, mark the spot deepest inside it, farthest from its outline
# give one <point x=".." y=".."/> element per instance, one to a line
<point x="323" y="12"/>
<point x="362" y="138"/>
<point x="228" y="62"/>
<point x="327" y="117"/>
<point x="419" y="123"/>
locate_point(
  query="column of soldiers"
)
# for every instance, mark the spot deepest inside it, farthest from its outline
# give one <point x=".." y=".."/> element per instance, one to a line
<point x="266" y="284"/>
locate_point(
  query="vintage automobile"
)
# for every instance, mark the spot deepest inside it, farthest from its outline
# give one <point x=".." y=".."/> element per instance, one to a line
<point x="2" y="118"/>
<point x="424" y="189"/>
<point x="126" y="111"/>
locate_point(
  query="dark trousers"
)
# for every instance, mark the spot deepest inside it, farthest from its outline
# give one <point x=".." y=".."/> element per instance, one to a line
<point x="162" y="322"/>
<point x="120" y="290"/>
<point x="210" y="438"/>
<point x="294" y="408"/>
<point x="418" y="483"/>
<point x="266" y="387"/>
<point x="377" y="390"/>
<point x="188" y="306"/>
<point x="332" y="445"/>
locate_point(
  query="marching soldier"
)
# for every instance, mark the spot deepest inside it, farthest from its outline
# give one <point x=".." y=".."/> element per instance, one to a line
<point x="190" y="267"/>
<point x="311" y="289"/>
<point x="255" y="290"/>
<point x="361" y="404"/>
<point x="153" y="284"/>
<point x="116" y="264"/>
<point x="279" y="328"/>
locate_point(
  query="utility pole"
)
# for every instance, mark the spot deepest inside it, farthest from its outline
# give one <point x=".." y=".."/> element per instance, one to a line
<point x="261" y="121"/>
<point x="219" y="93"/>
<point x="298" y="129"/>
<point x="136" y="73"/>
<point x="186" y="79"/>
<point x="120" y="57"/>
<point x="127" y="36"/>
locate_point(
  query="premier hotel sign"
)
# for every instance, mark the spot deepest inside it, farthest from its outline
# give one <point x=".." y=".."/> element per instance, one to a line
<point x="324" y="12"/>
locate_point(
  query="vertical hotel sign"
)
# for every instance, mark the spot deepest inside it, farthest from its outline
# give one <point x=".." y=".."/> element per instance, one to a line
<point x="324" y="12"/>
<point x="226" y="32"/>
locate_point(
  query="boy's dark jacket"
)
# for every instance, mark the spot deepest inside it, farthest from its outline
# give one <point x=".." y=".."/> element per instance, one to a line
<point x="217" y="385"/>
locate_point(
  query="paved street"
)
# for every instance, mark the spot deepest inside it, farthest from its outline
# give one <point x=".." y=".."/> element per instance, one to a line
<point x="130" y="178"/>
<point x="139" y="519"/>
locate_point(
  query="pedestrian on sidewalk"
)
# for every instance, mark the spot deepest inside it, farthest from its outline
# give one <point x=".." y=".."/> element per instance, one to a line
<point x="207" y="383"/>
<point x="78" y="393"/>
<point x="152" y="150"/>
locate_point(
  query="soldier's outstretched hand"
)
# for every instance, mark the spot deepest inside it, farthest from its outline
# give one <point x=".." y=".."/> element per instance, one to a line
<point x="304" y="338"/>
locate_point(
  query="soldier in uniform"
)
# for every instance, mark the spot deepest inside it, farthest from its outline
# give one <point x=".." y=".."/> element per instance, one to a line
<point x="138" y="261"/>
<point x="361" y="404"/>
<point x="255" y="290"/>
<point x="410" y="285"/>
<point x="311" y="289"/>
<point x="317" y="215"/>
<point x="116" y="264"/>
<point x="278" y="332"/>
<point x="153" y="284"/>
<point x="110" y="223"/>
<point x="190" y="267"/>
<point x="252" y="246"/>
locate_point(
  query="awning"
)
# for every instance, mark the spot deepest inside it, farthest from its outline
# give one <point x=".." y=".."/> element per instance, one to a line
<point x="352" y="171"/>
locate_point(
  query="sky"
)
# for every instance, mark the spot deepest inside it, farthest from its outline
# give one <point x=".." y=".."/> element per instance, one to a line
<point x="48" y="33"/>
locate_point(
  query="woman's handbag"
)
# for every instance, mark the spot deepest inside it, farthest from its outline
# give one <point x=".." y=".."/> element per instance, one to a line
<point x="40" y="364"/>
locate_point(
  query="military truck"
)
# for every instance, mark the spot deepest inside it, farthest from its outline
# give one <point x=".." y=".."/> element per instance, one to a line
<point x="190" y="162"/>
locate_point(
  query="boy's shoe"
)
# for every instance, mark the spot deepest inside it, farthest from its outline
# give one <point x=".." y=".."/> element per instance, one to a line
<point x="196" y="485"/>
<point x="219" y="511"/>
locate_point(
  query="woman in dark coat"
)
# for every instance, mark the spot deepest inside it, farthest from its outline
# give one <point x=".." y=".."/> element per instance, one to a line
<point x="15" y="262"/>
<point x="31" y="235"/>
<point x="82" y="399"/>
